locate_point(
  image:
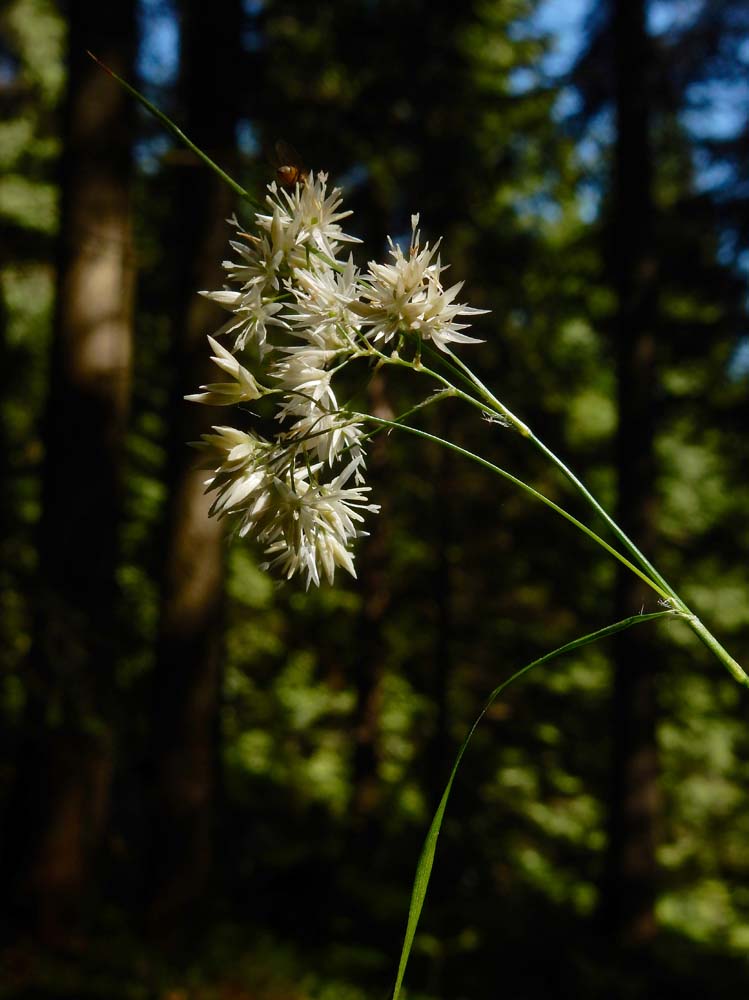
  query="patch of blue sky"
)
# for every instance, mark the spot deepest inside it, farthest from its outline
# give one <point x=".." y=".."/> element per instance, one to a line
<point x="568" y="103"/>
<point x="591" y="151"/>
<point x="589" y="202"/>
<point x="8" y="69"/>
<point x="158" y="52"/>
<point x="157" y="65"/>
<point x="248" y="139"/>
<point x="522" y="79"/>
<point x="537" y="206"/>
<point x="353" y="178"/>
<point x="738" y="366"/>
<point x="252" y="36"/>
<point x="711" y="174"/>
<point x="718" y="109"/>
<point x="715" y="110"/>
<point x="564" y="21"/>
<point x="672" y="15"/>
<point x="149" y="153"/>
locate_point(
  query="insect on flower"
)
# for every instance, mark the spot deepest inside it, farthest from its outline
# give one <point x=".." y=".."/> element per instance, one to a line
<point x="290" y="170"/>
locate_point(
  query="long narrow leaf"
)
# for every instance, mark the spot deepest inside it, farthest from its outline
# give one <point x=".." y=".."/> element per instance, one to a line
<point x="177" y="132"/>
<point x="424" y="867"/>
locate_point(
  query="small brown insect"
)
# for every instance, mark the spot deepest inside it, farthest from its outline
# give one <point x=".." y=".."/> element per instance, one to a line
<point x="290" y="169"/>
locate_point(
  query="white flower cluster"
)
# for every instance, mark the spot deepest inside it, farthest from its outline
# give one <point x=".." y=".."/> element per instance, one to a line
<point x="302" y="494"/>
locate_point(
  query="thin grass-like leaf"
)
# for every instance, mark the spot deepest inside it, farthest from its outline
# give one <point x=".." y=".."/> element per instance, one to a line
<point x="177" y="132"/>
<point x="426" y="861"/>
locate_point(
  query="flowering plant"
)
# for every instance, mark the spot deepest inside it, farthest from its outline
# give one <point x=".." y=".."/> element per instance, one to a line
<point x="300" y="312"/>
<point x="302" y="495"/>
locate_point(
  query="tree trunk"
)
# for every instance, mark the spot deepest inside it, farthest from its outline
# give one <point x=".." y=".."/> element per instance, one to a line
<point x="187" y="674"/>
<point x="376" y="598"/>
<point x="631" y="869"/>
<point x="442" y="535"/>
<point x="60" y="803"/>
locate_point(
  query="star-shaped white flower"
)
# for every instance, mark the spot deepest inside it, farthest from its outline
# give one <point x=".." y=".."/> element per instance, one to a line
<point x="252" y="313"/>
<point x="407" y="296"/>
<point x="314" y="526"/>
<point x="242" y="388"/>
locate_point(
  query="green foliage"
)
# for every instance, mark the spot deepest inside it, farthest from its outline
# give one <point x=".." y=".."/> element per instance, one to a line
<point x="34" y="35"/>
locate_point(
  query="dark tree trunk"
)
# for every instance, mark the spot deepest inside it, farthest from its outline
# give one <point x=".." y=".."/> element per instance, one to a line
<point x="631" y="869"/>
<point x="189" y="652"/>
<point x="376" y="598"/>
<point x="60" y="804"/>
<point x="442" y="523"/>
<point x="439" y="749"/>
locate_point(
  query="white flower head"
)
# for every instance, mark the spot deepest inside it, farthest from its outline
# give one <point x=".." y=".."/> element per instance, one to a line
<point x="304" y="376"/>
<point x="308" y="215"/>
<point x="253" y="312"/>
<point x="320" y="428"/>
<point x="407" y="296"/>
<point x="305" y="526"/>
<point x="242" y="464"/>
<point x="268" y="256"/>
<point x="314" y="527"/>
<point x="328" y="434"/>
<point x="321" y="312"/>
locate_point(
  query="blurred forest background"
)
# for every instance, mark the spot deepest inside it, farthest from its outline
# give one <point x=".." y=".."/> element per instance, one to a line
<point x="213" y="786"/>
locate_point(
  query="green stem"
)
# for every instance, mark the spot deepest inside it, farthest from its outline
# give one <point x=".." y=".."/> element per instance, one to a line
<point x="620" y="534"/>
<point x="499" y="407"/>
<point x="177" y="132"/>
<point x="523" y="486"/>
<point x="695" y="624"/>
<point x="707" y="637"/>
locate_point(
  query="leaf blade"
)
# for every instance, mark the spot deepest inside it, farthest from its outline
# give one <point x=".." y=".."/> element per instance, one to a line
<point x="426" y="858"/>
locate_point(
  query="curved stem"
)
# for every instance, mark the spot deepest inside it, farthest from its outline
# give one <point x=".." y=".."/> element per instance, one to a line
<point x="523" y="486"/>
<point x="696" y="625"/>
<point x="497" y="406"/>
<point x="177" y="132"/>
<point x="426" y="859"/>
<point x="620" y="534"/>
